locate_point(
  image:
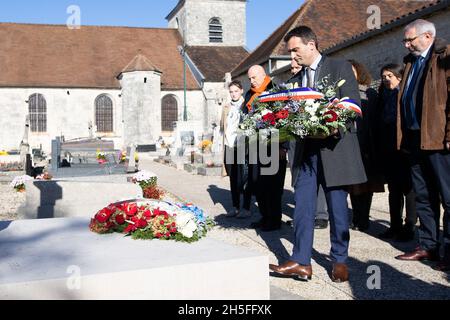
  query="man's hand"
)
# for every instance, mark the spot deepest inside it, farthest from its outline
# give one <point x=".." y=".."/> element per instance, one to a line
<point x="448" y="146"/>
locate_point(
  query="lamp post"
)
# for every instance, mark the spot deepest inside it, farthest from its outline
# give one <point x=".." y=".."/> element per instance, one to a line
<point x="185" y="118"/>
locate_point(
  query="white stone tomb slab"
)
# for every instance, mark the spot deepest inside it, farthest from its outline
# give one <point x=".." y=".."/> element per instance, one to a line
<point x="62" y="259"/>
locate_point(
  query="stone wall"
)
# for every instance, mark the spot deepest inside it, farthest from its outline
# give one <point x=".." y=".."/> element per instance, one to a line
<point x="141" y="107"/>
<point x="69" y="112"/>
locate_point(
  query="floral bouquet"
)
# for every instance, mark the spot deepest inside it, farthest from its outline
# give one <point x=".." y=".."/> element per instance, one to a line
<point x="123" y="157"/>
<point x="101" y="157"/>
<point x="152" y="219"/>
<point x="205" y="145"/>
<point x="301" y="112"/>
<point x="148" y="182"/>
<point x="18" y="183"/>
<point x="45" y="176"/>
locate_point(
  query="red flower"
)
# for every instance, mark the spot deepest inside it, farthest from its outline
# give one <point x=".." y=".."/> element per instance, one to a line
<point x="158" y="235"/>
<point x="103" y="215"/>
<point x="168" y="235"/>
<point x="131" y="228"/>
<point x="161" y="222"/>
<point x="142" y="223"/>
<point x="283" y="114"/>
<point x="120" y="219"/>
<point x="332" y="116"/>
<point x="173" y="230"/>
<point x="270" y="118"/>
<point x="174" y="224"/>
<point x="147" y="214"/>
<point x="131" y="209"/>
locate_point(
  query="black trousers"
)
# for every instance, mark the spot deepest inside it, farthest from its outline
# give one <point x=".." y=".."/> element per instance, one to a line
<point x="235" y="187"/>
<point x="238" y="181"/>
<point x="430" y="173"/>
<point x="269" y="194"/>
<point x="401" y="192"/>
<point x="361" y="204"/>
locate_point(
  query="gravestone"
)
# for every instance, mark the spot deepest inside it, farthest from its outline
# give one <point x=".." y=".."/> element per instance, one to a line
<point x="24" y="145"/>
<point x="56" y="153"/>
<point x="130" y="163"/>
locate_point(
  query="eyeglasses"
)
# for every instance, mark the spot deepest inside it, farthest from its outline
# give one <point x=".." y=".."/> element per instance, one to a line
<point x="409" y="40"/>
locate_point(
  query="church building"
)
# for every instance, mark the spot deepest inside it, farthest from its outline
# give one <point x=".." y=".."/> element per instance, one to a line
<point x="132" y="84"/>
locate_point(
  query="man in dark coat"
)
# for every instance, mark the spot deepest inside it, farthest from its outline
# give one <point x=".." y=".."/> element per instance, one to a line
<point x="334" y="162"/>
<point x="267" y="187"/>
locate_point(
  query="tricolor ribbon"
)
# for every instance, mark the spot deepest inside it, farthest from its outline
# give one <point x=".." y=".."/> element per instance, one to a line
<point x="349" y="105"/>
<point x="294" y="94"/>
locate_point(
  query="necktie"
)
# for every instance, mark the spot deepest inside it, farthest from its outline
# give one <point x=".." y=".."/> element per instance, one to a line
<point x="409" y="102"/>
<point x="309" y="78"/>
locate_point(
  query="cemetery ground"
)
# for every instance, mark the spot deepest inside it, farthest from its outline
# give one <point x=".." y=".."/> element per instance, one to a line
<point x="374" y="273"/>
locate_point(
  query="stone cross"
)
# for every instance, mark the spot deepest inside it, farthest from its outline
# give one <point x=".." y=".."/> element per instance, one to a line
<point x="91" y="130"/>
<point x="131" y="162"/>
<point x="24" y="145"/>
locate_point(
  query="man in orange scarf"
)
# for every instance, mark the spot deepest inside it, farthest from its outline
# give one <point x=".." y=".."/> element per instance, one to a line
<point x="268" y="188"/>
<point x="260" y="82"/>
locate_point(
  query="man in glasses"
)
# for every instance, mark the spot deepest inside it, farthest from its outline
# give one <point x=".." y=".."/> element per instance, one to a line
<point x="423" y="131"/>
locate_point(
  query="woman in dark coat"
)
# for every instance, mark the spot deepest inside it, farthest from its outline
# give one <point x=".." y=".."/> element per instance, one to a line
<point x="395" y="163"/>
<point x="361" y="195"/>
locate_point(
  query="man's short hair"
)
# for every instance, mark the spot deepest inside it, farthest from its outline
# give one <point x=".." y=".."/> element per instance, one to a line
<point x="303" y="32"/>
<point x="422" y="26"/>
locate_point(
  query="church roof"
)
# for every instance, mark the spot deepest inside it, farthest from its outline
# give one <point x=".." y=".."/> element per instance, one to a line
<point x="214" y="62"/>
<point x="334" y="22"/>
<point x="91" y="57"/>
<point x="140" y="63"/>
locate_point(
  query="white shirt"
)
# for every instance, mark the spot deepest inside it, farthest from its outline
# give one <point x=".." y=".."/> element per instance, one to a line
<point x="425" y="53"/>
<point x="313" y="68"/>
<point x="233" y="119"/>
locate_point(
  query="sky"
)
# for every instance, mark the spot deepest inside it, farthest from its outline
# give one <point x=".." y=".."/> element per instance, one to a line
<point x="263" y="16"/>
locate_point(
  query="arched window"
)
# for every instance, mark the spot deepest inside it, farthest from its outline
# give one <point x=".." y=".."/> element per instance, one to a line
<point x="169" y="113"/>
<point x="104" y="114"/>
<point x="215" y="31"/>
<point x="37" y="107"/>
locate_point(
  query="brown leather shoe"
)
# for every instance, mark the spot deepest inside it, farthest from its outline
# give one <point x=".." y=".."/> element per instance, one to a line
<point x="419" y="254"/>
<point x="339" y="273"/>
<point x="293" y="269"/>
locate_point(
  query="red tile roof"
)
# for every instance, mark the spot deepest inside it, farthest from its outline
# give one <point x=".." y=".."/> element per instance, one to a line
<point x="334" y="21"/>
<point x="214" y="62"/>
<point x="140" y="63"/>
<point x="92" y="57"/>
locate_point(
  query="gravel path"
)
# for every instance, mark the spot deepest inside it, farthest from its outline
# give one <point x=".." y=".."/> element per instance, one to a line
<point x="10" y="201"/>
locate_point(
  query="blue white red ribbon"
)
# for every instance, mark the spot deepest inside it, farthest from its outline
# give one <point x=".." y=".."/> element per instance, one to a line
<point x="349" y="105"/>
<point x="294" y="94"/>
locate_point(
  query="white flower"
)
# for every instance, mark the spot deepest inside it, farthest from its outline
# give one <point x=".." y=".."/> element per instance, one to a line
<point x="309" y="102"/>
<point x="341" y="83"/>
<point x="186" y="224"/>
<point x="314" y="119"/>
<point x="20" y="180"/>
<point x="312" y="109"/>
<point x="143" y="176"/>
<point x="265" y="112"/>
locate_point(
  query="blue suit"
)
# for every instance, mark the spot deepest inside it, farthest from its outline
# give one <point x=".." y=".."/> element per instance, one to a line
<point x="335" y="163"/>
